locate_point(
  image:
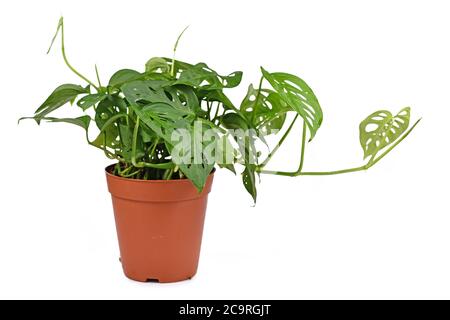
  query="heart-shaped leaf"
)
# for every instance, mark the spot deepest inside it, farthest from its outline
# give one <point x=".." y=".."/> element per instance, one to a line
<point x="381" y="128"/>
<point x="299" y="96"/>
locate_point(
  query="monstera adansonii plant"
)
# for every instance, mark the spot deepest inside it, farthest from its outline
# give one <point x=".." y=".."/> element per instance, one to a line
<point x="137" y="113"/>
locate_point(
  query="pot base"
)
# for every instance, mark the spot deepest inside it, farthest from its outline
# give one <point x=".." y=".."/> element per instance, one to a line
<point x="159" y="279"/>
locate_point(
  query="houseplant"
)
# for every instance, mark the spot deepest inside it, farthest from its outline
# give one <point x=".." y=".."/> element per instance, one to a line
<point x="166" y="128"/>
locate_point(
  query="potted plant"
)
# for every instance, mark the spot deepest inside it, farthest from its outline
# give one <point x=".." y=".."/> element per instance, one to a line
<point x="166" y="129"/>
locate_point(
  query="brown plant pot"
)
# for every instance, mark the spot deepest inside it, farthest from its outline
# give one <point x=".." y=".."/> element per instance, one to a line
<point x="159" y="226"/>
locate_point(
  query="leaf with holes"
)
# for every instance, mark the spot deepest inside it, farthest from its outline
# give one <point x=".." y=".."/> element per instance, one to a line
<point x="381" y="128"/>
<point x="106" y="110"/>
<point x="143" y="93"/>
<point x="266" y="110"/>
<point x="299" y="96"/>
<point x="187" y="149"/>
<point x="203" y="77"/>
<point x="140" y="113"/>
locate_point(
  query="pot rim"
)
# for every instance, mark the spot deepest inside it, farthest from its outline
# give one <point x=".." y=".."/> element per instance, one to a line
<point x="175" y="181"/>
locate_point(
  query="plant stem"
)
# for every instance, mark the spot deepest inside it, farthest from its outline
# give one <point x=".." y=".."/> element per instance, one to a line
<point x="165" y="165"/>
<point x="134" y="142"/>
<point x="172" y="69"/>
<point x="361" y="168"/>
<point x="302" y="152"/>
<point x="255" y="105"/>
<point x="216" y="113"/>
<point x="67" y="61"/>
<point x="154" y="146"/>
<point x="168" y="174"/>
<point x="396" y="143"/>
<point x="98" y="77"/>
<point x="271" y="154"/>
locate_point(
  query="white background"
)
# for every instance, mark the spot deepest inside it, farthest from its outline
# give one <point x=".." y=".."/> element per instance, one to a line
<point x="384" y="233"/>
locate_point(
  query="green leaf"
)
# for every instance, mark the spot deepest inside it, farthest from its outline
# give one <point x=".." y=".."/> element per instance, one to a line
<point x="82" y="121"/>
<point x="164" y="112"/>
<point x="147" y="134"/>
<point x="381" y="128"/>
<point x="216" y="96"/>
<point x="196" y="170"/>
<point x="123" y="76"/>
<point x="185" y="96"/>
<point x="266" y="110"/>
<point x="299" y="96"/>
<point x="157" y="64"/>
<point x="126" y="140"/>
<point x="249" y="180"/>
<point x="142" y="93"/>
<point x="225" y="154"/>
<point x="202" y="77"/>
<point x="233" y="121"/>
<point x="91" y="100"/>
<point x="59" y="97"/>
<point x="106" y="109"/>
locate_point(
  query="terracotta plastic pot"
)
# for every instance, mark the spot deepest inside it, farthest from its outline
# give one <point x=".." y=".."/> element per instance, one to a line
<point x="159" y="226"/>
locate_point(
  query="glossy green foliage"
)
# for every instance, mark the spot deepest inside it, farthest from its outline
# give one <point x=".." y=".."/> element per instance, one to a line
<point x="381" y="129"/>
<point x="298" y="96"/>
<point x="138" y="115"/>
<point x="59" y="97"/>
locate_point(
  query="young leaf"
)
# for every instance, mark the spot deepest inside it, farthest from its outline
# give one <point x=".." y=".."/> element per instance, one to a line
<point x="381" y="128"/>
<point x="59" y="97"/>
<point x="157" y="64"/>
<point x="299" y="96"/>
